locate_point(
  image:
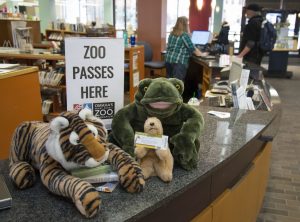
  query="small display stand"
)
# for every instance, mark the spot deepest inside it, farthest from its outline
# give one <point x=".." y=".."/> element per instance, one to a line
<point x="24" y="40"/>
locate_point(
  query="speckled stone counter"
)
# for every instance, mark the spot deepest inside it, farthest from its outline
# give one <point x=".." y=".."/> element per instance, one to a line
<point x="227" y="145"/>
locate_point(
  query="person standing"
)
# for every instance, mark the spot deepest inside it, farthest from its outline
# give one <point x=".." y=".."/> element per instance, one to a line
<point x="179" y="49"/>
<point x="249" y="49"/>
<point x="221" y="40"/>
<point x="222" y="37"/>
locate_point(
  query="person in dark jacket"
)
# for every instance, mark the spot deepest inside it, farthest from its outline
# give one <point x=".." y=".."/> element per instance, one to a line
<point x="221" y="43"/>
<point x="222" y="37"/>
<point x="249" y="49"/>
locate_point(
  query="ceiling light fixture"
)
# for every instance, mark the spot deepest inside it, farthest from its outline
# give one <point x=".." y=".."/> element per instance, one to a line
<point x="199" y="4"/>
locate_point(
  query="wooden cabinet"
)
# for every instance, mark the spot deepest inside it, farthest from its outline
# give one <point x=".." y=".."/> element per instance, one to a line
<point x="205" y="216"/>
<point x="243" y="201"/>
<point x="21" y="101"/>
<point x="134" y="67"/>
<point x="54" y="92"/>
<point x="59" y="35"/>
<point x="6" y="30"/>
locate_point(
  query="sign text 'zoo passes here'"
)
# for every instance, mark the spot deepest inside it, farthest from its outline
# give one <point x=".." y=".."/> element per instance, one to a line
<point x="95" y="75"/>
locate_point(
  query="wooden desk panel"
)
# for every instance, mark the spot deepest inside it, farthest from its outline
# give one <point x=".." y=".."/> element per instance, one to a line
<point x="21" y="101"/>
<point x="202" y="72"/>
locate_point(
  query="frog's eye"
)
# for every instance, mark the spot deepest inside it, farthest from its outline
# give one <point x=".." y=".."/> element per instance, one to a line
<point x="145" y="88"/>
<point x="177" y="86"/>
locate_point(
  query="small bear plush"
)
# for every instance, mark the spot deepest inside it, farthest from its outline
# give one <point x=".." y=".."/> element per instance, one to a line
<point x="158" y="162"/>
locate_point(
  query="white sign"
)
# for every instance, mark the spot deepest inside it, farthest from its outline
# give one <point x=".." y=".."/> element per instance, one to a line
<point x="95" y="75"/>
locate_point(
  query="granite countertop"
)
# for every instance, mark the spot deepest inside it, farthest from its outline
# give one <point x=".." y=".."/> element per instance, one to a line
<point x="221" y="139"/>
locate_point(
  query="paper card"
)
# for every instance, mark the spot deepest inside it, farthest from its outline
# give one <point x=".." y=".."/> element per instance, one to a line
<point x="244" y="78"/>
<point x="136" y="78"/>
<point x="135" y="62"/>
<point x="241" y="98"/>
<point x="224" y="60"/>
<point x="150" y="141"/>
<point x="265" y="99"/>
<point x="250" y="103"/>
<point x="222" y="115"/>
<point x="107" y="187"/>
<point x="236" y="59"/>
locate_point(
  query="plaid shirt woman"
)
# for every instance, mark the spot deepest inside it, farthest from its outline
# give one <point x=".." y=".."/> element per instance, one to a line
<point x="179" y="50"/>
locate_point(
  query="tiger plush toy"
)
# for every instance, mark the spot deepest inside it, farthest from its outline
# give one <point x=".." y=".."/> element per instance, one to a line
<point x="71" y="140"/>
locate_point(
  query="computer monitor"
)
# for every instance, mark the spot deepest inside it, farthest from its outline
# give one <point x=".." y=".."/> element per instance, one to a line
<point x="201" y="37"/>
<point x="235" y="71"/>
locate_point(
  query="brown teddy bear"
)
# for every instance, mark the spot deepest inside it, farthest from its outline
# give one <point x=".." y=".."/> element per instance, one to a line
<point x="155" y="162"/>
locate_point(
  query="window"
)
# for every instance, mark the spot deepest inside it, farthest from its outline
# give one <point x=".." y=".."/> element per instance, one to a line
<point x="121" y="13"/>
<point x="274" y="17"/>
<point x="82" y="11"/>
<point x="232" y="13"/>
<point x="125" y="14"/>
<point x="176" y="9"/>
<point x="291" y="19"/>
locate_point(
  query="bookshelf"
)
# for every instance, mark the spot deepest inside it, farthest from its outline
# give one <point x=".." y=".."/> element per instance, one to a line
<point x="53" y="89"/>
<point x="7" y="34"/>
<point x="59" y="35"/>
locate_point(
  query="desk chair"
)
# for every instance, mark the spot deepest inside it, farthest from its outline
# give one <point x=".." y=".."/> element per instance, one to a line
<point x="149" y="63"/>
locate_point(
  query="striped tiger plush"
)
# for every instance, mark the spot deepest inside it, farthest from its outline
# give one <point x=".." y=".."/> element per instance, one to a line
<point x="71" y="140"/>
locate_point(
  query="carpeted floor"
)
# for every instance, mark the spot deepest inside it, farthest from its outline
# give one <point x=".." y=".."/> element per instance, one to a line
<point x="282" y="199"/>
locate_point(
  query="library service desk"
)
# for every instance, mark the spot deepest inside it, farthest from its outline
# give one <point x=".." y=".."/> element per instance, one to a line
<point x="228" y="184"/>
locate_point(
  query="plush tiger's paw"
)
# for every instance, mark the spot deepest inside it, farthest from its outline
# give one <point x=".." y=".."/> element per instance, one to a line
<point x="131" y="177"/>
<point x="130" y="173"/>
<point x="89" y="202"/>
<point x="22" y="174"/>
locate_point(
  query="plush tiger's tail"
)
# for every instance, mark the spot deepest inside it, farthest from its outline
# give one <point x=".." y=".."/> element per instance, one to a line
<point x="20" y="171"/>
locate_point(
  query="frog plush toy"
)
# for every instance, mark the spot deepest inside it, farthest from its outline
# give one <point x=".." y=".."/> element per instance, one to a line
<point x="161" y="98"/>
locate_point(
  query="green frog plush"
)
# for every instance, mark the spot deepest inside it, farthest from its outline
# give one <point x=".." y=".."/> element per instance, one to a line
<point x="161" y="98"/>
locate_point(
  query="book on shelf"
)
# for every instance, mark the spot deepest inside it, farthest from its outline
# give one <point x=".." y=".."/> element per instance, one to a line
<point x="46" y="106"/>
<point x="99" y="174"/>
<point x="50" y="78"/>
<point x="55" y="36"/>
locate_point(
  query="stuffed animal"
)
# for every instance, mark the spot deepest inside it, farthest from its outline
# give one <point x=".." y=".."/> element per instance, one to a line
<point x="161" y="98"/>
<point x="71" y="140"/>
<point x="158" y="162"/>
